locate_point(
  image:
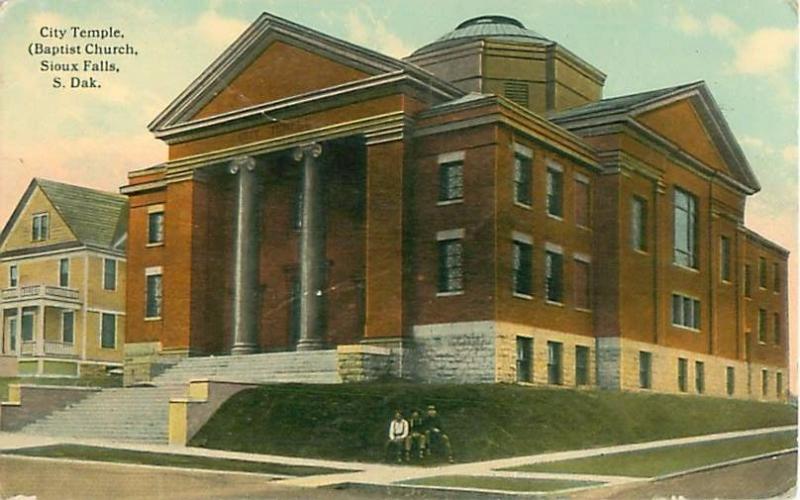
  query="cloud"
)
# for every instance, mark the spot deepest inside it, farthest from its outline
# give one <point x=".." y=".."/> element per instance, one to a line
<point x="218" y="29"/>
<point x="789" y="154"/>
<point x="717" y="25"/>
<point x="765" y="51"/>
<point x="365" y="28"/>
<point x="721" y="26"/>
<point x="687" y="23"/>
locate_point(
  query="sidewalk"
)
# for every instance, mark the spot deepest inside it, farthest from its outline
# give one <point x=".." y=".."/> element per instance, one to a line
<point x="383" y="475"/>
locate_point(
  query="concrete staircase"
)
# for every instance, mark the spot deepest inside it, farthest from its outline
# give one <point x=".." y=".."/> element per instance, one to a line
<point x="141" y="414"/>
<point x="308" y="367"/>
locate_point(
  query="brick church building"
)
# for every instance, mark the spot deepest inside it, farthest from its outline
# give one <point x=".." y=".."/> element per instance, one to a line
<point x="476" y="212"/>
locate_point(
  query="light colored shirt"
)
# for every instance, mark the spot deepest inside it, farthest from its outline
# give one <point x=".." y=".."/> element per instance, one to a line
<point x="398" y="429"/>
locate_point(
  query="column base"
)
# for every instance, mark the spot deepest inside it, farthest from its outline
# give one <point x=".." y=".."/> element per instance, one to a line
<point x="244" y="349"/>
<point x="310" y="345"/>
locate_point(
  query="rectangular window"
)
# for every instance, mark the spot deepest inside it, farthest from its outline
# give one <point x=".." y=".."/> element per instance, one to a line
<point x="685" y="229"/>
<point x="762" y="326"/>
<point x="554" y="274"/>
<point x="730" y="380"/>
<point x="451" y="181"/>
<point x="13" y="276"/>
<point x="40" y="227"/>
<point x="725" y="258"/>
<point x="776" y="277"/>
<point x="523" y="268"/>
<point x="748" y="281"/>
<point x="778" y="384"/>
<point x="583" y="202"/>
<point x="685" y="311"/>
<point x="523" y="178"/>
<point x="68" y="327"/>
<point x="108" y="331"/>
<point x="776" y="328"/>
<point x="63" y="272"/>
<point x="639" y="224"/>
<point x="451" y="273"/>
<point x="699" y="377"/>
<point x="645" y="369"/>
<point x="554" y="357"/>
<point x="581" y="365"/>
<point x="155" y="228"/>
<point x="555" y="191"/>
<point x="764" y="382"/>
<point x="12" y="333"/>
<point x="109" y="274"/>
<point x="154" y="296"/>
<point x="762" y="272"/>
<point x="582" y="283"/>
<point x="524" y="359"/>
<point x="683" y="374"/>
<point x="27" y="325"/>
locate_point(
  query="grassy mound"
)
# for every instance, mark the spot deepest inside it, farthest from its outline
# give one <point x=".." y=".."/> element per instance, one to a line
<point x="350" y="422"/>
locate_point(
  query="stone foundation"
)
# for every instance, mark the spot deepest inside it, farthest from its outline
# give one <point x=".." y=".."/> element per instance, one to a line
<point x="145" y="360"/>
<point x="455" y="352"/>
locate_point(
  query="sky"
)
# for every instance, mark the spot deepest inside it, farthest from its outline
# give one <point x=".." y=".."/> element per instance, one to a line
<point x="745" y="50"/>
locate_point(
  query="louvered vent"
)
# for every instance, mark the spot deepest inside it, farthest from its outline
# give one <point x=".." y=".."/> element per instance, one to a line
<point x="517" y="92"/>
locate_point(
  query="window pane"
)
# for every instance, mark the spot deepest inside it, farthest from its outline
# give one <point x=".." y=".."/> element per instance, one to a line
<point x="762" y="272"/>
<point x="685" y="229"/>
<point x="522" y="268"/>
<point x="155" y="227"/>
<point x="522" y="179"/>
<point x="554" y="273"/>
<point x="109" y="274"/>
<point x="13" y="278"/>
<point x="582" y="280"/>
<point x="154" y="291"/>
<point x="677" y="310"/>
<point x="450" y="266"/>
<point x="639" y="224"/>
<point x="108" y="335"/>
<point x="27" y="327"/>
<point x="67" y="327"/>
<point x="582" y="203"/>
<point x="451" y="181"/>
<point x="63" y="272"/>
<point x="554" y="192"/>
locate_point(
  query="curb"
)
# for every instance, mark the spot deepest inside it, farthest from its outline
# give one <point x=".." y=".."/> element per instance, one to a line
<point x="721" y="465"/>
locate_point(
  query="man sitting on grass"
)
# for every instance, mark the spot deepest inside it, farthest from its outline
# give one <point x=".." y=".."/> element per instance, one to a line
<point x="416" y="435"/>
<point x="398" y="432"/>
<point x="434" y="433"/>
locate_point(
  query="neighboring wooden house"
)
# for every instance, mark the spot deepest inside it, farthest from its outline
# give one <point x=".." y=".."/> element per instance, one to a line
<point x="62" y="282"/>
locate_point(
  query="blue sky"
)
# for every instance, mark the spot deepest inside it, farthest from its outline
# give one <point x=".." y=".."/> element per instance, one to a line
<point x="745" y="50"/>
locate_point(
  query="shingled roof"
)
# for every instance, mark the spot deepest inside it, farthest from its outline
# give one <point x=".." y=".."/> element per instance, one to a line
<point x="96" y="218"/>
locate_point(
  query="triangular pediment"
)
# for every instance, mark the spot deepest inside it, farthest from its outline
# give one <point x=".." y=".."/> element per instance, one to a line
<point x="17" y="234"/>
<point x="275" y="59"/>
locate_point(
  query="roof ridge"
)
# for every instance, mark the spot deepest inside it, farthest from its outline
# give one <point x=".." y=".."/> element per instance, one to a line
<point x="40" y="180"/>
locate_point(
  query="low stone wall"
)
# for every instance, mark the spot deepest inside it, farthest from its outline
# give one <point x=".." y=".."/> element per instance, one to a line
<point x="145" y="361"/>
<point x="455" y="352"/>
<point x="362" y="363"/>
<point x="188" y="415"/>
<point x="28" y="403"/>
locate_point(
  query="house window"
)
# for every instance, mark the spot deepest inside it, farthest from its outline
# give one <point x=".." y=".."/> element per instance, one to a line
<point x="451" y="260"/>
<point x="555" y="188"/>
<point x="776" y="277"/>
<point x="524" y="359"/>
<point x="725" y="258"/>
<point x="153" y="303"/>
<point x="41" y="227"/>
<point x="523" y="268"/>
<point x="554" y="358"/>
<point x="13" y="276"/>
<point x="762" y="326"/>
<point x="748" y="281"/>
<point x="523" y="175"/>
<point x="685" y="312"/>
<point x="554" y="274"/>
<point x="108" y="331"/>
<point x="109" y="274"/>
<point x="583" y="202"/>
<point x="776" y="328"/>
<point x="581" y="283"/>
<point x="730" y="380"/>
<point x="683" y="374"/>
<point x="67" y="327"/>
<point x="685" y="229"/>
<point x="155" y="227"/>
<point x="581" y="365"/>
<point x="762" y="272"/>
<point x="645" y="369"/>
<point x="27" y="325"/>
<point x="12" y="333"/>
<point x="699" y="377"/>
<point x="764" y="382"/>
<point x="639" y="224"/>
<point x="63" y="272"/>
<point x="778" y="384"/>
<point x="451" y="181"/>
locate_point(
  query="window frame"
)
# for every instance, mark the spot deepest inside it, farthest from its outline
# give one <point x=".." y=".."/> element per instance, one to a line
<point x="586" y="184"/>
<point x="156" y="212"/>
<point x="748" y="281"/>
<point x="446" y="164"/>
<point x="638" y="221"/>
<point x="64" y="323"/>
<point x="761" y="325"/>
<point x="13" y="275"/>
<point x="112" y="286"/>
<point x="519" y="273"/>
<point x="764" y="382"/>
<point x="63" y="272"/>
<point x="763" y="279"/>
<point x="777" y="338"/>
<point x="730" y="380"/>
<point x="522" y="176"/>
<point x="555" y="363"/>
<point x="32" y="316"/>
<point x="151" y="273"/>
<point x="686" y="257"/>
<point x="678" y="317"/>
<point x="725" y="259"/>
<point x="551" y="253"/>
<point x="645" y="370"/>
<point x="582" y="369"/>
<point x="40" y="226"/>
<point x="582" y="260"/>
<point x="699" y="377"/>
<point x="554" y="191"/>
<point x="524" y="345"/>
<point x="777" y="282"/>
<point x="683" y="375"/>
<point x="103" y="316"/>
<point x="445" y="273"/>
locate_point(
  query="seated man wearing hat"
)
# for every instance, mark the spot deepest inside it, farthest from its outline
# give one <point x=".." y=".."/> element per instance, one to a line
<point x="434" y="433"/>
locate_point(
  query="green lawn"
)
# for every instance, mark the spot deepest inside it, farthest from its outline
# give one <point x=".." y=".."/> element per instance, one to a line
<point x="349" y="421"/>
<point x="500" y="483"/>
<point x="660" y="461"/>
<point x="98" y="454"/>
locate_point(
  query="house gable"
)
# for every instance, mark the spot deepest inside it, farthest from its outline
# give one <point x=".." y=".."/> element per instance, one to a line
<point x="18" y="233"/>
<point x="281" y="70"/>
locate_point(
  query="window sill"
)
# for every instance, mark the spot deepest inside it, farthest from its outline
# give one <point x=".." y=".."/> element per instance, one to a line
<point x="686" y="268"/>
<point x="522" y="205"/>
<point x="154" y="318"/>
<point x="641" y="252"/>
<point x="156" y="244"/>
<point x="583" y="310"/>
<point x="555" y="217"/>
<point x="522" y="296"/>
<point x="726" y="282"/>
<point x="687" y="328"/>
<point x="554" y="303"/>
<point x="450" y="294"/>
<point x="444" y="203"/>
<point x="585" y="228"/>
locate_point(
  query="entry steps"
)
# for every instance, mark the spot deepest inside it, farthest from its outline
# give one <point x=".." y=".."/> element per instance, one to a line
<point x="141" y="413"/>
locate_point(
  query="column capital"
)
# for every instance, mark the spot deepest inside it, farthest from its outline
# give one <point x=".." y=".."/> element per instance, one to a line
<point x="314" y="150"/>
<point x="242" y="163"/>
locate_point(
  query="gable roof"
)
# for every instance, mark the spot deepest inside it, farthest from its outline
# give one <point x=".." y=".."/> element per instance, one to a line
<point x="96" y="218"/>
<point x="266" y="29"/>
<point x="626" y="108"/>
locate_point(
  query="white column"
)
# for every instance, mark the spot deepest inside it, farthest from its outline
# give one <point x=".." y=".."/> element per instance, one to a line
<point x="40" y="332"/>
